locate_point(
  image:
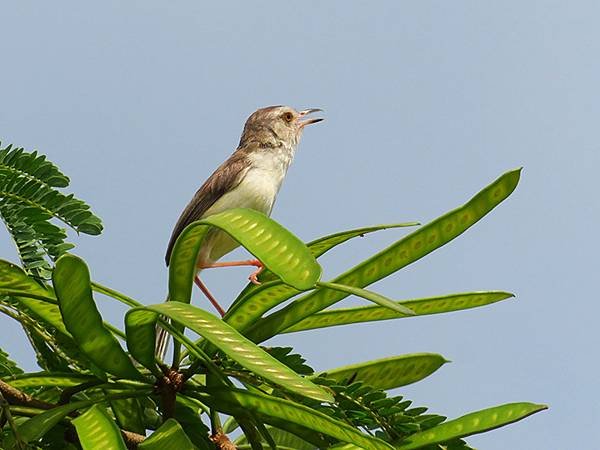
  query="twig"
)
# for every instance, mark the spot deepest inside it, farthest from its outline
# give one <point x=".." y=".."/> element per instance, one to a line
<point x="65" y="396"/>
<point x="115" y="294"/>
<point x="5" y="413"/>
<point x="14" y="396"/>
<point x="17" y="397"/>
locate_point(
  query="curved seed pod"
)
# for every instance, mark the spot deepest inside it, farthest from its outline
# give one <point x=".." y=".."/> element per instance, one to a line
<point x="404" y="252"/>
<point x="96" y="430"/>
<point x="277" y="248"/>
<point x="420" y="306"/>
<point x="389" y="373"/>
<point x="255" y="300"/>
<point x="141" y="321"/>
<point x="473" y="423"/>
<point x="235" y="401"/>
<point x="72" y="284"/>
<point x="170" y="436"/>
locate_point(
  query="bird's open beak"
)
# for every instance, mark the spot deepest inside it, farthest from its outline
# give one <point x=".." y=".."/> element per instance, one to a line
<point x="306" y="112"/>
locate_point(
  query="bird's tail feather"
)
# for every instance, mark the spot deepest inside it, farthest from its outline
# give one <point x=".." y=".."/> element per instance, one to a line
<point x="162" y="339"/>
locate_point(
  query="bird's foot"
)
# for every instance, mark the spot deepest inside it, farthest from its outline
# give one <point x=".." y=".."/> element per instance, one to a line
<point x="254" y="275"/>
<point x="247" y="262"/>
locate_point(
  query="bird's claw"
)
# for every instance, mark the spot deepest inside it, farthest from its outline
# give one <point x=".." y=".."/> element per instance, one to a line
<point x="254" y="275"/>
<point x="254" y="279"/>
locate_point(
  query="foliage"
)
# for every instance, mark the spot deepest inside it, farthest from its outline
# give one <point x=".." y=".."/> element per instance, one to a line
<point x="29" y="198"/>
<point x="93" y="392"/>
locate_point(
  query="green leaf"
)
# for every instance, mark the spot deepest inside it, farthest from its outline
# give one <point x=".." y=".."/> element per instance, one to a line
<point x="389" y="373"/>
<point x="47" y="355"/>
<point x="44" y="200"/>
<point x="40" y="379"/>
<point x="55" y="349"/>
<point x="404" y="252"/>
<point x="278" y="249"/>
<point x="255" y="300"/>
<point x="33" y="164"/>
<point x="473" y="423"/>
<point x="128" y="413"/>
<point x="187" y="414"/>
<point x="31" y="251"/>
<point x="368" y="295"/>
<point x="293" y="360"/>
<point x="46" y="313"/>
<point x="322" y="245"/>
<point x="38" y="301"/>
<point x="247" y="309"/>
<point x="8" y="367"/>
<point x="140" y="324"/>
<point x="319" y="440"/>
<point x="81" y="317"/>
<point x="420" y="306"/>
<point x="283" y="439"/>
<point x="14" y="281"/>
<point x="37" y="310"/>
<point x="140" y="329"/>
<point x="236" y="401"/>
<point x="34" y="428"/>
<point x="29" y="198"/>
<point x="97" y="430"/>
<point x="170" y="436"/>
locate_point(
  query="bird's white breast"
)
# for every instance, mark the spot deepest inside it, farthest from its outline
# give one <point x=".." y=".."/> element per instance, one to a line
<point x="260" y="184"/>
<point x="257" y="190"/>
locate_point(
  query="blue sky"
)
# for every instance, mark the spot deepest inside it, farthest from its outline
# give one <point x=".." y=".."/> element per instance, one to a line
<point x="426" y="103"/>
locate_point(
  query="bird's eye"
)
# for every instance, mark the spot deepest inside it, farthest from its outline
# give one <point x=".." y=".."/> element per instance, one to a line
<point x="288" y="116"/>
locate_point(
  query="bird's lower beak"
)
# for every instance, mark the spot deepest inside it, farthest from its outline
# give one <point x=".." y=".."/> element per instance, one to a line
<point x="306" y="112"/>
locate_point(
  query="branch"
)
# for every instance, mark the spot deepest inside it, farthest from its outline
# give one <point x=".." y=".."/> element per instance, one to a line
<point x="5" y="414"/>
<point x="132" y="440"/>
<point x="222" y="442"/>
<point x="16" y="397"/>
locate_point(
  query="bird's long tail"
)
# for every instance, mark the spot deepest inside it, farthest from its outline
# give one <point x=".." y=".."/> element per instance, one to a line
<point x="162" y="339"/>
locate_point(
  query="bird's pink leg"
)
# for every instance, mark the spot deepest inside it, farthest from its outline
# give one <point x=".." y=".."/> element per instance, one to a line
<point x="248" y="262"/>
<point x="210" y="297"/>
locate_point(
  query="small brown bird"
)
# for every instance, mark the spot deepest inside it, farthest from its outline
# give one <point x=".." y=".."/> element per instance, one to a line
<point x="250" y="178"/>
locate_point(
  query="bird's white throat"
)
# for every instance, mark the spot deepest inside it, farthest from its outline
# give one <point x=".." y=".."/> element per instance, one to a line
<point x="260" y="184"/>
<point x="265" y="176"/>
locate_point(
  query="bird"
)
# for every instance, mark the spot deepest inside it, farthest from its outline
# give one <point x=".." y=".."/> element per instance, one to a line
<point x="250" y="178"/>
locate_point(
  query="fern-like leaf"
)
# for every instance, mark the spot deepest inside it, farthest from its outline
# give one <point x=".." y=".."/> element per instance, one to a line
<point x="34" y="165"/>
<point x="7" y="366"/>
<point x="293" y="360"/>
<point x="29" y="200"/>
<point x="363" y="406"/>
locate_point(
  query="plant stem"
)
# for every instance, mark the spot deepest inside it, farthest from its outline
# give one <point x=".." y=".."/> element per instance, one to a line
<point x="65" y="396"/>
<point x="17" y="293"/>
<point x="265" y="434"/>
<point x="115" y="294"/>
<point x="199" y="354"/>
<point x="116" y="331"/>
<point x="5" y="411"/>
<point x="215" y="422"/>
<point x="251" y="433"/>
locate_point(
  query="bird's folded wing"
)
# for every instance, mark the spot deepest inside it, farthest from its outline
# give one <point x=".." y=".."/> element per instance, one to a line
<point x="223" y="180"/>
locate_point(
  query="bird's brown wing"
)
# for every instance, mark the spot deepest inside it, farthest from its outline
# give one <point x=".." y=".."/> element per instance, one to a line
<point x="224" y="179"/>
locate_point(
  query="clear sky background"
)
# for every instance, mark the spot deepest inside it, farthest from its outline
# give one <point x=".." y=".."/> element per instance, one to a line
<point x="426" y="103"/>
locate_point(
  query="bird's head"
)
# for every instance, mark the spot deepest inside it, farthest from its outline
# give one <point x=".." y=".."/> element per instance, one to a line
<point x="274" y="126"/>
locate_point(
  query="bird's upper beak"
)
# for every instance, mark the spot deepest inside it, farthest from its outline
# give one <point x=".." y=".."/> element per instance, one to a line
<point x="306" y="112"/>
